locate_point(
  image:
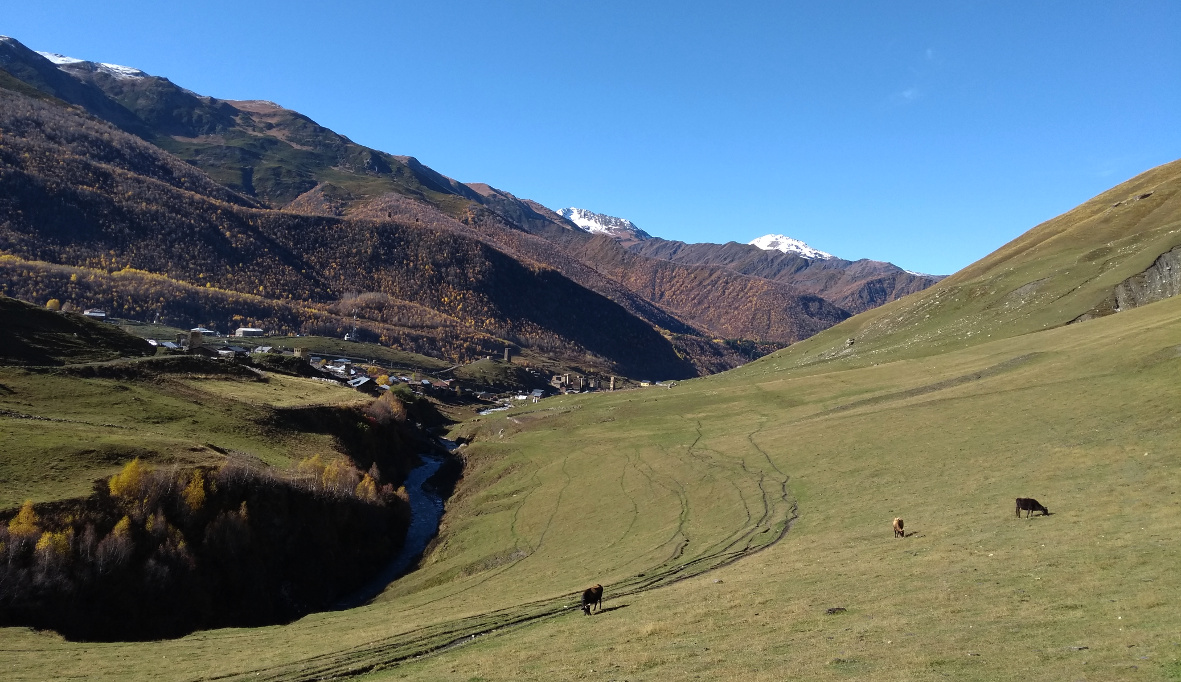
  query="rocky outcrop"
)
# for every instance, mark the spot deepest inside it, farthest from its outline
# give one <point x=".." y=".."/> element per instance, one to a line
<point x="1160" y="281"/>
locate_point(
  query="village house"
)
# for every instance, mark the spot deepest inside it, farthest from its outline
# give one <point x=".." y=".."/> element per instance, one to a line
<point x="249" y="331"/>
<point x="232" y="352"/>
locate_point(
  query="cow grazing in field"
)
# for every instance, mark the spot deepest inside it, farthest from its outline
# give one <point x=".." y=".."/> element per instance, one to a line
<point x="1029" y="506"/>
<point x="590" y="597"/>
<point x="898" y="532"/>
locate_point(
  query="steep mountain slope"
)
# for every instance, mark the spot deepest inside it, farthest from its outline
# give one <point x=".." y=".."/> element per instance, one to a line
<point x="719" y="300"/>
<point x="255" y="148"/>
<point x="1067" y="270"/>
<point x="855" y="286"/>
<point x="77" y="193"/>
<point x="723" y="303"/>
<point x="268" y="156"/>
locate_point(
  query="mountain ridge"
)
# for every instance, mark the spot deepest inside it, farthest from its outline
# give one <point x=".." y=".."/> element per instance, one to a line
<point x="261" y="156"/>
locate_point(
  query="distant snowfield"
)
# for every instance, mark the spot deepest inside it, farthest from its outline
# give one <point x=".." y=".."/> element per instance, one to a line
<point x="601" y="224"/>
<point x="778" y="242"/>
<point x="116" y="70"/>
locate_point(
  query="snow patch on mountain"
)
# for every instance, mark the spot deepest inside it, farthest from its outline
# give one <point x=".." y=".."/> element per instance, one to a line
<point x="599" y="223"/>
<point x="116" y="70"/>
<point x="778" y="242"/>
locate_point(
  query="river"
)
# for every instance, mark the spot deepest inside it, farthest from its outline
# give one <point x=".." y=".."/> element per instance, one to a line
<point x="426" y="509"/>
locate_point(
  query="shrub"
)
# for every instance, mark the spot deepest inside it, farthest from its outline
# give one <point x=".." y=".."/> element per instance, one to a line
<point x="386" y="409"/>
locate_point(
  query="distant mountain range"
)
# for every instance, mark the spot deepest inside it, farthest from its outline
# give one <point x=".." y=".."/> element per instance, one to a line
<point x="218" y="212"/>
<point x="855" y="286"/>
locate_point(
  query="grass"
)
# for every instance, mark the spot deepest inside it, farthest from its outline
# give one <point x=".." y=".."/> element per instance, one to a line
<point x="281" y="391"/>
<point x="330" y="348"/>
<point x="584" y="489"/>
<point x="942" y="420"/>
<point x="59" y="433"/>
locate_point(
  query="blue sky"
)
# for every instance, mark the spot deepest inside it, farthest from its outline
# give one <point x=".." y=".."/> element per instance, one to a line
<point x="923" y="133"/>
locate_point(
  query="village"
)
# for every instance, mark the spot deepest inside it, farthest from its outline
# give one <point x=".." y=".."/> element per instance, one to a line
<point x="482" y="382"/>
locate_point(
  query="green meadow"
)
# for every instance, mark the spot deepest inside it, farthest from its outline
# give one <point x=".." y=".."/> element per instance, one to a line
<point x="692" y="487"/>
<point x="741" y="523"/>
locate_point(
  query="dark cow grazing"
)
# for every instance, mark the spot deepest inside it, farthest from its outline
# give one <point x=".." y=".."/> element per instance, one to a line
<point x="590" y="597"/>
<point x="898" y="532"/>
<point x="1029" y="506"/>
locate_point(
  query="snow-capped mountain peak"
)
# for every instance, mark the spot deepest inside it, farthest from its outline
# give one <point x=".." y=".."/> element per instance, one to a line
<point x="778" y="242"/>
<point x="115" y="70"/>
<point x="618" y="228"/>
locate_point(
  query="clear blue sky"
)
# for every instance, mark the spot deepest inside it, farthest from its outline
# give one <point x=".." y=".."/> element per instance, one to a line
<point x="923" y="133"/>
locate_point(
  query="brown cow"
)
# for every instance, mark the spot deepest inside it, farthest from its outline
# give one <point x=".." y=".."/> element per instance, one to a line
<point x="592" y="596"/>
<point x="898" y="532"/>
<point x="1029" y="506"/>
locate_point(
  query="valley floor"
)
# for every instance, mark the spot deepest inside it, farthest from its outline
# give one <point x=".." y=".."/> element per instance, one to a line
<point x="639" y="489"/>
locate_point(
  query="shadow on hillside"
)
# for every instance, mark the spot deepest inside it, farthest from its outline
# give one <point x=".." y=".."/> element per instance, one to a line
<point x="609" y="609"/>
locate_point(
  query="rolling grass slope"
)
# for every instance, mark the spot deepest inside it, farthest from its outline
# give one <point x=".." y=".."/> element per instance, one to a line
<point x="604" y="488"/>
<point x="1047" y="277"/>
<point x="947" y="406"/>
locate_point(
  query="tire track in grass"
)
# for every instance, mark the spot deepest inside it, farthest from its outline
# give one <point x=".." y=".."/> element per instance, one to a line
<point x="390" y="651"/>
<point x="743" y="531"/>
<point x="557" y="504"/>
<point x="651" y="475"/>
<point x="635" y="512"/>
<point x="682" y="516"/>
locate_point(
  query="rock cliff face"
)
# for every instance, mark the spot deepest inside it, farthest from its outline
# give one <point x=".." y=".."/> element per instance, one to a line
<point x="1160" y="281"/>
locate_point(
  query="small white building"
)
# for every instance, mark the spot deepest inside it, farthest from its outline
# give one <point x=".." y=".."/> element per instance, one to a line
<point x="249" y="331"/>
<point x="96" y="313"/>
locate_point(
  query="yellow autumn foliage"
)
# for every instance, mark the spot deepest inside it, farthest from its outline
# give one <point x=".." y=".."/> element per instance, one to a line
<point x="129" y="482"/>
<point x="25" y="521"/>
<point x="194" y="492"/>
<point x="123" y="528"/>
<point x="57" y="544"/>
<point x="367" y="489"/>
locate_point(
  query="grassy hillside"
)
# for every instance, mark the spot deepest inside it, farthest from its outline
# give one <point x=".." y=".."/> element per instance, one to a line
<point x="690" y="490"/>
<point x="35" y="336"/>
<point x="602" y="489"/>
<point x="1048" y="277"/>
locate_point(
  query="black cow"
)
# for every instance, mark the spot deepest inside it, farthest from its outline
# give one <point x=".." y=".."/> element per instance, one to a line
<point x="592" y="596"/>
<point x="1029" y="506"/>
